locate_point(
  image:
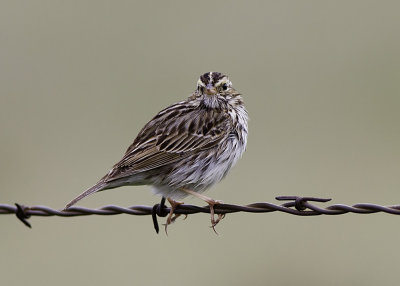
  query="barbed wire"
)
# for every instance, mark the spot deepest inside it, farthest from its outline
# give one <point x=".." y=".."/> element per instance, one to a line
<point x="300" y="206"/>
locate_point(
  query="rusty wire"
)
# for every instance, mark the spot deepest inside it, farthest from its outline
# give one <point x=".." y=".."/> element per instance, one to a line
<point x="300" y="206"/>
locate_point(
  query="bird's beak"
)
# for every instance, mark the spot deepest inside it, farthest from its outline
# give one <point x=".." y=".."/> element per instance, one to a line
<point x="210" y="90"/>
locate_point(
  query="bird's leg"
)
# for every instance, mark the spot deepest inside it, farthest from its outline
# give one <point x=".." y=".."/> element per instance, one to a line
<point x="211" y="202"/>
<point x="171" y="217"/>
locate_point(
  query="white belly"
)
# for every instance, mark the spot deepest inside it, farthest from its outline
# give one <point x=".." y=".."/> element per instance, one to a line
<point x="201" y="174"/>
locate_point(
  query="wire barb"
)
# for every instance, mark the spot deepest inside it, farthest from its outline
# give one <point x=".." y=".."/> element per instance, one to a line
<point x="158" y="210"/>
<point x="295" y="205"/>
<point x="22" y="215"/>
<point x="300" y="202"/>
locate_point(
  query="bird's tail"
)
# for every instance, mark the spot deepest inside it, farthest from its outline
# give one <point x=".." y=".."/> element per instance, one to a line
<point x="96" y="188"/>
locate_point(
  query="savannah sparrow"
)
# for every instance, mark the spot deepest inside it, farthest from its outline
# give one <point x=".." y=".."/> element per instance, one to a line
<point x="187" y="147"/>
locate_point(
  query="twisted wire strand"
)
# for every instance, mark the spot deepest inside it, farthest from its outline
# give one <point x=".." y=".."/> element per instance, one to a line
<point x="300" y="206"/>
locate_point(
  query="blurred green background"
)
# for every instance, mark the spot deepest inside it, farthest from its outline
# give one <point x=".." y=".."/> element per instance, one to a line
<point x="321" y="81"/>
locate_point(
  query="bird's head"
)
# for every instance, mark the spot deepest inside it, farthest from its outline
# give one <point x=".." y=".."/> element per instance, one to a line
<point x="214" y="89"/>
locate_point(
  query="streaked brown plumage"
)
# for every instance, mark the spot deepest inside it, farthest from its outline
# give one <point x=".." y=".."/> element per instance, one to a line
<point x="187" y="147"/>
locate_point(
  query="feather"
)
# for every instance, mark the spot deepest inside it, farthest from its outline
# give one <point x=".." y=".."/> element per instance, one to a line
<point x="96" y="188"/>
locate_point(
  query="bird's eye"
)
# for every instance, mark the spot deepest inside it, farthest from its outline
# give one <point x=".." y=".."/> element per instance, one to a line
<point x="224" y="86"/>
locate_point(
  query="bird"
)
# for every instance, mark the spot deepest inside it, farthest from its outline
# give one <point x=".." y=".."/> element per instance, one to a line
<point x="186" y="148"/>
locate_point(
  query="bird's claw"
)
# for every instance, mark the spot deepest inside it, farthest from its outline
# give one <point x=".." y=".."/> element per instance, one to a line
<point x="214" y="221"/>
<point x="171" y="216"/>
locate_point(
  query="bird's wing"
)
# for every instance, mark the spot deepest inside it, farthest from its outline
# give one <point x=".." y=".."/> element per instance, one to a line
<point x="176" y="132"/>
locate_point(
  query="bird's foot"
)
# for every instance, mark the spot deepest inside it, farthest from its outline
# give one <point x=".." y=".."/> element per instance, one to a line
<point x="171" y="216"/>
<point x="211" y="203"/>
